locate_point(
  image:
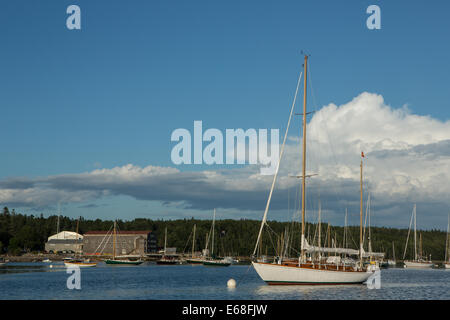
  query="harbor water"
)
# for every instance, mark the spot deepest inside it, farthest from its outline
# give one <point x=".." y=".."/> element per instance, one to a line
<point x="197" y="282"/>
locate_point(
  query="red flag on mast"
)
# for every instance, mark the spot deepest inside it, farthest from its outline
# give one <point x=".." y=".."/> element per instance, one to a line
<point x="362" y="154"/>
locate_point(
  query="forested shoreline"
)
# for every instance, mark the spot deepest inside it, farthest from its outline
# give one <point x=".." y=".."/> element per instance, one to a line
<point x="21" y="233"/>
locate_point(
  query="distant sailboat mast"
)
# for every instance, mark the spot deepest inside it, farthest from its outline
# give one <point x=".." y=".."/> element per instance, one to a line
<point x="415" y="234"/>
<point x="303" y="252"/>
<point x="361" y="214"/>
<point x="114" y="241"/>
<point x="193" y="241"/>
<point x="447" y="244"/>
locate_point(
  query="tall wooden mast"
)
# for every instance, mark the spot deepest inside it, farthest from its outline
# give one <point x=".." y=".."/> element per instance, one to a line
<point x="447" y="240"/>
<point x="193" y="241"/>
<point x="114" y="241"/>
<point x="415" y="234"/>
<point x="303" y="255"/>
<point x="165" y="241"/>
<point x="361" y="212"/>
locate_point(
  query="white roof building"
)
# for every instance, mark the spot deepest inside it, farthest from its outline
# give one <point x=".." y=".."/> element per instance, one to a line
<point x="66" y="235"/>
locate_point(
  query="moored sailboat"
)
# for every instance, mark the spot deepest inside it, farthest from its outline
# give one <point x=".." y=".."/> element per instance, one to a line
<point x="166" y="259"/>
<point x="418" y="262"/>
<point x="78" y="262"/>
<point x="115" y="259"/>
<point x="211" y="261"/>
<point x="307" y="271"/>
<point x="193" y="259"/>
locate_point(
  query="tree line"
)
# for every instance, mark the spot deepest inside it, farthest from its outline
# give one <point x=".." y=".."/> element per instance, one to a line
<point x="21" y="233"/>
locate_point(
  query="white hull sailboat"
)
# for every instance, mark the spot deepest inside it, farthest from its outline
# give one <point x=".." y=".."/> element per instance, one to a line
<point x="78" y="262"/>
<point x="303" y="271"/>
<point x="309" y="274"/>
<point x="211" y="261"/>
<point x="418" y="262"/>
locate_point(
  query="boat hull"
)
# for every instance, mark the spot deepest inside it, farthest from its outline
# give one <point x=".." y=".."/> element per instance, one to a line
<point x="135" y="263"/>
<point x="194" y="261"/>
<point x="418" y="265"/>
<point x="274" y="274"/>
<point x="80" y="264"/>
<point x="447" y="265"/>
<point x="216" y="263"/>
<point x="166" y="262"/>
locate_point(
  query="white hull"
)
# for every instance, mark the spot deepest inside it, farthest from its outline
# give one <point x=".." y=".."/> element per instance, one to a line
<point x="447" y="265"/>
<point x="81" y="265"/>
<point x="418" y="265"/>
<point x="278" y="274"/>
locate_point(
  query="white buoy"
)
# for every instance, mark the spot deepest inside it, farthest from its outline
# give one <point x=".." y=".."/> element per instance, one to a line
<point x="231" y="283"/>
<point x="51" y="266"/>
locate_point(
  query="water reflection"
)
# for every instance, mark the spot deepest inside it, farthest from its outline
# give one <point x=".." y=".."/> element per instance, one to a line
<point x="12" y="267"/>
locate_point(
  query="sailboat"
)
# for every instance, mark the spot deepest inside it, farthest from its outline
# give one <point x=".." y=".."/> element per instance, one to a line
<point x="307" y="271"/>
<point x="165" y="259"/>
<point x="392" y="262"/>
<point x="211" y="261"/>
<point x="418" y="261"/>
<point x="193" y="259"/>
<point x="115" y="261"/>
<point x="447" y="247"/>
<point x="77" y="262"/>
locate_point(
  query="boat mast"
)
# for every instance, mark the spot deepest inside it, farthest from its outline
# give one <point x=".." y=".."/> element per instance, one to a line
<point x="345" y="230"/>
<point x="329" y="237"/>
<point x="165" y="242"/>
<point x="393" y="250"/>
<point x="78" y="222"/>
<point x="303" y="256"/>
<point x="212" y="241"/>
<point x="59" y="214"/>
<point x="420" y="246"/>
<point x="193" y="241"/>
<point x="415" y="237"/>
<point x="114" y="241"/>
<point x="361" y="212"/>
<point x="447" y="242"/>
<point x="320" y="210"/>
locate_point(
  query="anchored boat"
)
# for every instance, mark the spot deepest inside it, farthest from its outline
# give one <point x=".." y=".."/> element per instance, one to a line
<point x="78" y="262"/>
<point x="165" y="259"/>
<point x="418" y="262"/>
<point x="125" y="261"/>
<point x="211" y="261"/>
<point x="303" y="271"/>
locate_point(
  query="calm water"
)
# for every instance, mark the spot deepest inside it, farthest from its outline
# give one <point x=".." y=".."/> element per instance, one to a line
<point x="150" y="281"/>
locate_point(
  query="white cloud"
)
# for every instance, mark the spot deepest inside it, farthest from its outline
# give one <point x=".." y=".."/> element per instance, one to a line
<point x="407" y="160"/>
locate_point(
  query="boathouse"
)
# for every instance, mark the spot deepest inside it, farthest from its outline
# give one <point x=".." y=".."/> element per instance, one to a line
<point x="128" y="243"/>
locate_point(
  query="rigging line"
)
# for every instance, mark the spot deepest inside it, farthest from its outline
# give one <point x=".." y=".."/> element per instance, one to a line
<point x="333" y="153"/>
<point x="407" y="238"/>
<point x="189" y="238"/>
<point x="101" y="242"/>
<point x="278" y="166"/>
<point x="365" y="221"/>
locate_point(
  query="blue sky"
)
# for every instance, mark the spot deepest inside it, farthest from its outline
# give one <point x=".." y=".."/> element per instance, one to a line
<point x="111" y="94"/>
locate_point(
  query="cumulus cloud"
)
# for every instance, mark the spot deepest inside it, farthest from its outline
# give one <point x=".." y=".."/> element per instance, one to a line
<point x="407" y="160"/>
